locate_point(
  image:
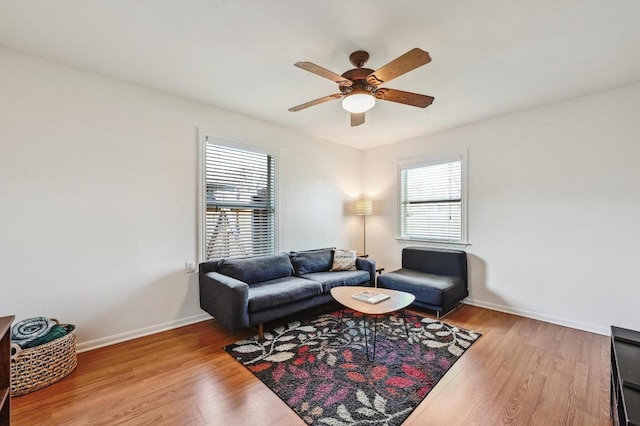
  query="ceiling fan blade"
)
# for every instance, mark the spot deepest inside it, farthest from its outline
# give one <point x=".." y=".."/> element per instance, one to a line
<point x="407" y="98"/>
<point x="316" y="102"/>
<point x="357" y="119"/>
<point x="411" y="60"/>
<point x="322" y="72"/>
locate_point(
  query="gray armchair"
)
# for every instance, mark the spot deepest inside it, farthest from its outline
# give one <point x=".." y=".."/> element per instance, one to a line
<point x="436" y="277"/>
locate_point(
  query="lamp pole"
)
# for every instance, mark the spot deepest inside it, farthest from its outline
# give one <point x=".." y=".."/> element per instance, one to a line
<point x="364" y="208"/>
<point x="364" y="233"/>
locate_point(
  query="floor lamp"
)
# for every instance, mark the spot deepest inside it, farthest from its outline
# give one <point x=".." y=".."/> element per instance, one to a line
<point x="364" y="208"/>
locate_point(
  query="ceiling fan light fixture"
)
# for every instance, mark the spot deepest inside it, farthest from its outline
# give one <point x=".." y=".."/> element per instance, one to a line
<point x="358" y="102"/>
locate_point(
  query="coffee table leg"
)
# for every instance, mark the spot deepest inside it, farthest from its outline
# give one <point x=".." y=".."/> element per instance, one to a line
<point x="375" y="338"/>
<point x="366" y="338"/>
<point x="404" y="319"/>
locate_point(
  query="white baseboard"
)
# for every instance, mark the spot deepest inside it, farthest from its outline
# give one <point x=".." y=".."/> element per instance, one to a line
<point x="134" y="334"/>
<point x="541" y="317"/>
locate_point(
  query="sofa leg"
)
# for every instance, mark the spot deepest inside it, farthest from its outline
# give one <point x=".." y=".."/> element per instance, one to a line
<point x="440" y="316"/>
<point x="261" y="331"/>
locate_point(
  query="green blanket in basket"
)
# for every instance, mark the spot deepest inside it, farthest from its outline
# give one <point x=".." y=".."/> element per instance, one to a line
<point x="56" y="332"/>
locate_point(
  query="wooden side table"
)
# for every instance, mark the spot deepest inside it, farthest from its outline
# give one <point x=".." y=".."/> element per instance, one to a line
<point x="5" y="370"/>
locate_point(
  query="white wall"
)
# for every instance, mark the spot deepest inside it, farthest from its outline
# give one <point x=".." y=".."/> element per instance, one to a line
<point x="554" y="209"/>
<point x="98" y="202"/>
<point x="98" y="198"/>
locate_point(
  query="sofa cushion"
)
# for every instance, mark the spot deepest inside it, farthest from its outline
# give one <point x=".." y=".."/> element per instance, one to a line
<point x="427" y="288"/>
<point x="338" y="278"/>
<point x="256" y="269"/>
<point x="281" y="291"/>
<point x="344" y="260"/>
<point x="451" y="263"/>
<point x="309" y="261"/>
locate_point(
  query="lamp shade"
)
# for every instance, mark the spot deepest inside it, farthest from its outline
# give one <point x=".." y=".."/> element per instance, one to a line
<point x="358" y="102"/>
<point x="364" y="207"/>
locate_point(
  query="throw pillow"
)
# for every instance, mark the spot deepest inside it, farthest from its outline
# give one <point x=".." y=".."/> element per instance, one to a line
<point x="257" y="269"/>
<point x="344" y="260"/>
<point x="309" y="261"/>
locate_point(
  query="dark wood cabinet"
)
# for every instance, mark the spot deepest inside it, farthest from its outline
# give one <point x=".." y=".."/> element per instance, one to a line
<point x="625" y="376"/>
<point x="5" y="370"/>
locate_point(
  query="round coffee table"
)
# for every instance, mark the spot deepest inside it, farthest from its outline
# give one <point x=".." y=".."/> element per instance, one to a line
<point x="397" y="301"/>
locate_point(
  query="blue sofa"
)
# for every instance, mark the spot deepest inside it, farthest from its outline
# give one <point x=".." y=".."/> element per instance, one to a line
<point x="250" y="291"/>
<point x="436" y="277"/>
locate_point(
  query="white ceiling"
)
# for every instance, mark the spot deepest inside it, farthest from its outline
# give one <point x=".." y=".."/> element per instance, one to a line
<point x="490" y="57"/>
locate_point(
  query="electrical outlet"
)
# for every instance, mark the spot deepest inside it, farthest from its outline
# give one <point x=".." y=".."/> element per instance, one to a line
<point x="190" y="266"/>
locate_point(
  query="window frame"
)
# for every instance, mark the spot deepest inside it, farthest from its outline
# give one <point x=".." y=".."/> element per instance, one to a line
<point x="426" y="161"/>
<point x="230" y="142"/>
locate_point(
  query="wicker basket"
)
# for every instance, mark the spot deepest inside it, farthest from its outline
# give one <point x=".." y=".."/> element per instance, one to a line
<point x="40" y="366"/>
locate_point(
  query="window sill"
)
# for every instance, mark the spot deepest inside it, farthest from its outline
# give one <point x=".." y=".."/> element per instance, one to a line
<point x="433" y="243"/>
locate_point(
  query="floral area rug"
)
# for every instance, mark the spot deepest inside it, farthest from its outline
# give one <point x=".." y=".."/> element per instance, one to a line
<point x="319" y="366"/>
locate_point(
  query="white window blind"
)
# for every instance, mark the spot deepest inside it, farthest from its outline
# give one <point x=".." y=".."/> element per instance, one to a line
<point x="431" y="201"/>
<point x="240" y="202"/>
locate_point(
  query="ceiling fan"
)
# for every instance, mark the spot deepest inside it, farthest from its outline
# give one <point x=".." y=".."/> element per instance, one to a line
<point x="359" y="86"/>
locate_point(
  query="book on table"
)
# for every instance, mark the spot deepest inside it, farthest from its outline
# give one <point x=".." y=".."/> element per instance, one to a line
<point x="370" y="296"/>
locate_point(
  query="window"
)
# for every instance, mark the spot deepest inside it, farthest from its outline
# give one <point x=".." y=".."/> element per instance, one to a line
<point x="239" y="200"/>
<point x="432" y="200"/>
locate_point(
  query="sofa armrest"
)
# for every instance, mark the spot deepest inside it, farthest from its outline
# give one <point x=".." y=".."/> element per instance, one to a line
<point x="208" y="266"/>
<point x="366" y="264"/>
<point x="226" y="299"/>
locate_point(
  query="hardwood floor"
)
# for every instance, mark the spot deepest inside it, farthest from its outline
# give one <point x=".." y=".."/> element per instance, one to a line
<point x="520" y="371"/>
